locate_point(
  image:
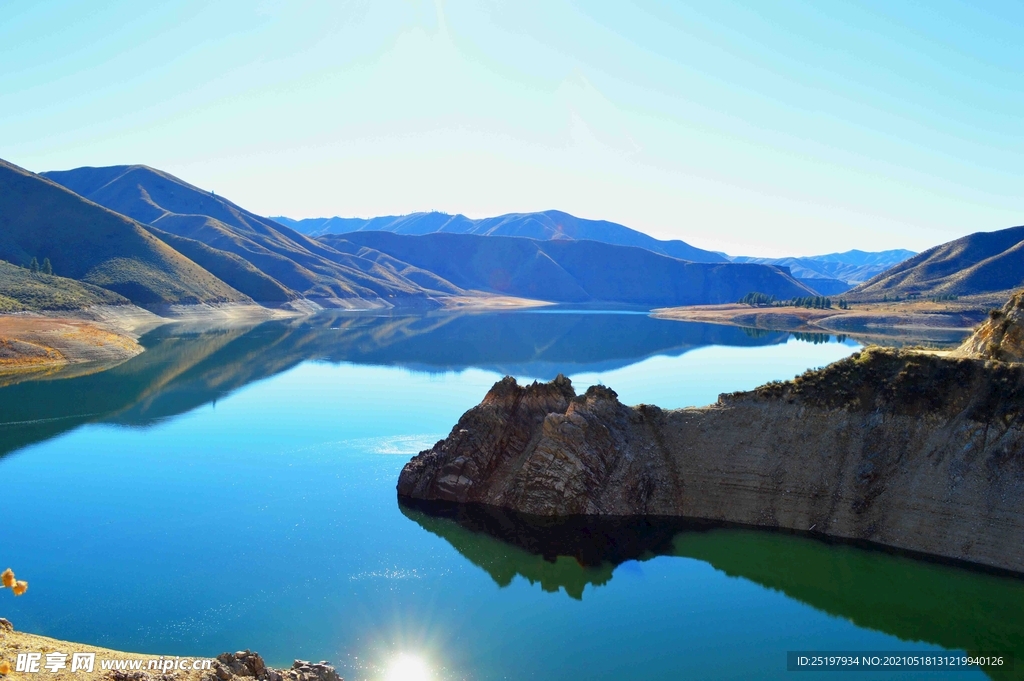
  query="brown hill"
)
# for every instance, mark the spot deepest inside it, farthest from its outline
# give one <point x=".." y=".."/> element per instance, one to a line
<point x="984" y="262"/>
<point x="292" y="265"/>
<point x="575" y="271"/>
<point x="84" y="241"/>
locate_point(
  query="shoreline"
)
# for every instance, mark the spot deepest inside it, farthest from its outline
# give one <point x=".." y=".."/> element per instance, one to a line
<point x="227" y="666"/>
<point x="66" y="343"/>
<point x="862" y="319"/>
<point x="52" y="344"/>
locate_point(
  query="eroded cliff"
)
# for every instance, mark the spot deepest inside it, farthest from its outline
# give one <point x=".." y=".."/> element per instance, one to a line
<point x="903" y="449"/>
<point x="1002" y="336"/>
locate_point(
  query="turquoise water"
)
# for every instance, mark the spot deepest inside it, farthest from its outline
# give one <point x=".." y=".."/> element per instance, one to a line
<point x="235" y="489"/>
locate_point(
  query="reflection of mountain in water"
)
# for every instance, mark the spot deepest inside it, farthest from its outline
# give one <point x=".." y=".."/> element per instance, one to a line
<point x="539" y="344"/>
<point x="953" y="607"/>
<point x="180" y="371"/>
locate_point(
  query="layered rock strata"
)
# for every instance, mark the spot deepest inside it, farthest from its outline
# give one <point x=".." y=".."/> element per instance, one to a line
<point x="1001" y="337"/>
<point x="903" y="449"/>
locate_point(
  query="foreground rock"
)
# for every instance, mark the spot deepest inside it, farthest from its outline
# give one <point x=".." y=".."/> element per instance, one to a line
<point x="244" y="665"/>
<point x="902" y="449"/>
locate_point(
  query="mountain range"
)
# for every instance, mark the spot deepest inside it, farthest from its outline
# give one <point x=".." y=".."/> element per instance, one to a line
<point x="159" y="241"/>
<point x="136" y="234"/>
<point x="546" y="225"/>
<point x="835" y="272"/>
<point x="828" y="274"/>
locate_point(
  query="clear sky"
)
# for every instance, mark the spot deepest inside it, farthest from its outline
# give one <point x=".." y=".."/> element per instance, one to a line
<point x="760" y="128"/>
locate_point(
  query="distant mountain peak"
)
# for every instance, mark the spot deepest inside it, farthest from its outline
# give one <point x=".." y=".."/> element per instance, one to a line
<point x="551" y="224"/>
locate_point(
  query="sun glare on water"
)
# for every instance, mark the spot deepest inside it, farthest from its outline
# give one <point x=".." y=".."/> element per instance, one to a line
<point x="408" y="668"/>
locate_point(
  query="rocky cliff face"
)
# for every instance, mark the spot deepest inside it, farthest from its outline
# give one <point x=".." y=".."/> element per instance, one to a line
<point x="902" y="449"/>
<point x="1002" y="336"/>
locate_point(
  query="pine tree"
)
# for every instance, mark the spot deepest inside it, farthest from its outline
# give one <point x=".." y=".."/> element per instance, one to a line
<point x="34" y="265"/>
<point x="47" y="267"/>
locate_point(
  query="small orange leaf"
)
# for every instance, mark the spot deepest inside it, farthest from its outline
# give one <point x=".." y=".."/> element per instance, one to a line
<point x="8" y="578"/>
<point x="5" y="667"/>
<point x="19" y="588"/>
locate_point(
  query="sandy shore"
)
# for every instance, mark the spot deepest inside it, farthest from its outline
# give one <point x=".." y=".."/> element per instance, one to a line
<point x="66" y="344"/>
<point x="30" y="344"/>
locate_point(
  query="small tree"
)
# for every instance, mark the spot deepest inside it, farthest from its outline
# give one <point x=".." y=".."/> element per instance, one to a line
<point x="757" y="299"/>
<point x="33" y="266"/>
<point x="47" y="267"/>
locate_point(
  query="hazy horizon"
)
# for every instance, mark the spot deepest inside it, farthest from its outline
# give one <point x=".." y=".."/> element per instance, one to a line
<point x="795" y="130"/>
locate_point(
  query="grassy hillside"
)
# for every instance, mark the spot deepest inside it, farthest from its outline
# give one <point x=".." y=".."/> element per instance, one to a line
<point x="549" y="224"/>
<point x="984" y="262"/>
<point x="229" y="268"/>
<point x="84" y="241"/>
<point x="22" y="290"/>
<point x="575" y="271"/>
<point x="292" y="264"/>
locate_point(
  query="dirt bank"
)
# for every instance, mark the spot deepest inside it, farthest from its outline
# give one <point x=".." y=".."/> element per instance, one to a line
<point x="32" y="343"/>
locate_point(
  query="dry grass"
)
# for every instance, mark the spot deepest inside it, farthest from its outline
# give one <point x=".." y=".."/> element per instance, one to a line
<point x="33" y="343"/>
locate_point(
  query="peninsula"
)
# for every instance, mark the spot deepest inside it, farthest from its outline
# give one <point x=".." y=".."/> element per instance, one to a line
<point x="911" y="450"/>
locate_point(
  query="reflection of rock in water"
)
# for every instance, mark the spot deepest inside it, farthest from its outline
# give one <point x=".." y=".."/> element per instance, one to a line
<point x="911" y="599"/>
<point x="570" y="553"/>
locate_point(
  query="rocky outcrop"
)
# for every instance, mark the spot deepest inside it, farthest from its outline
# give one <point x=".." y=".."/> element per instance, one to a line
<point x="246" y="664"/>
<point x="1002" y="336"/>
<point x="903" y="449"/>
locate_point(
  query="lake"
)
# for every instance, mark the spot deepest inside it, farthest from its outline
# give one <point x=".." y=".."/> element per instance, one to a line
<point x="235" y="488"/>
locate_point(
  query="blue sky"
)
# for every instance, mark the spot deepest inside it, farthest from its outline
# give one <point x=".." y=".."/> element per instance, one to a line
<point x="761" y="128"/>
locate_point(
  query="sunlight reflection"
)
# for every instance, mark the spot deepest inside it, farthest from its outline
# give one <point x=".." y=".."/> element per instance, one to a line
<point x="407" y="667"/>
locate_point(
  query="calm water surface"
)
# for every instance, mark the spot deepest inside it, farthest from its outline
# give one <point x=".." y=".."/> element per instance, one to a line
<point x="235" y="489"/>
